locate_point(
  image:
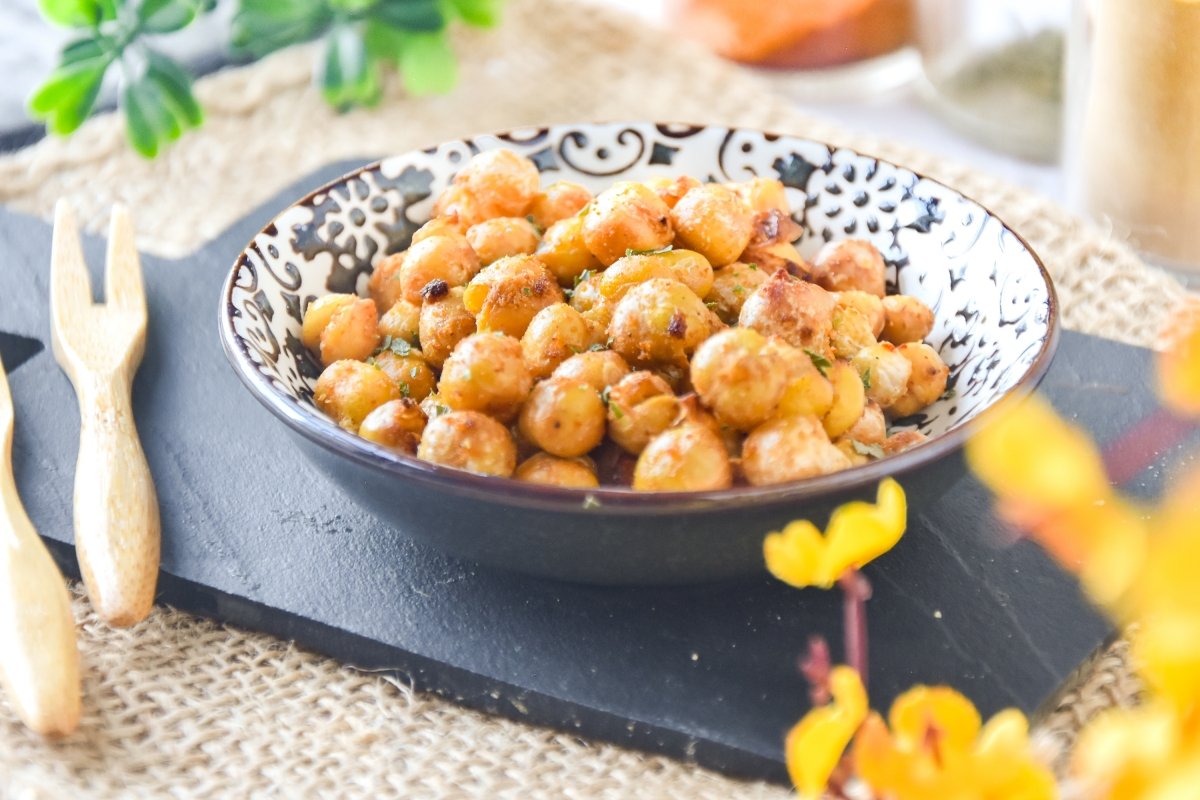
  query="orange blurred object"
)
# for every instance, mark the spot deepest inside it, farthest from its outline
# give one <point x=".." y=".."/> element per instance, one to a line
<point x="796" y="33"/>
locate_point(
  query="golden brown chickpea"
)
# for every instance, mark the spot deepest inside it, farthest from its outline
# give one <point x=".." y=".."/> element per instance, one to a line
<point x="736" y="376"/>
<point x="626" y="216"/>
<point x="543" y="468"/>
<point x="851" y="264"/>
<point x="763" y="194"/>
<point x="796" y="311"/>
<point x="597" y="368"/>
<point x="396" y="425"/>
<point x="496" y="238"/>
<point x="660" y="322"/>
<point x="586" y="295"/>
<point x="789" y="449"/>
<point x="407" y="368"/>
<point x="640" y="406"/>
<point x="564" y="418"/>
<point x="445" y="258"/>
<point x="885" y="372"/>
<point x="459" y="207"/>
<point x="851" y="332"/>
<point x="558" y="201"/>
<point x="384" y="285"/>
<point x="672" y="190"/>
<point x="554" y="334"/>
<point x="438" y="226"/>
<point x="771" y="247"/>
<point x="502" y="182"/>
<point x="402" y="322"/>
<point x="507" y="294"/>
<point x="689" y="458"/>
<point x="693" y="412"/>
<point x="317" y="316"/>
<point x="598" y="318"/>
<point x="471" y="441"/>
<point x="731" y="286"/>
<point x="907" y="319"/>
<point x="486" y="373"/>
<point x="868" y="305"/>
<point x="444" y="322"/>
<point x="902" y="440"/>
<point x="352" y="332"/>
<point x="348" y="390"/>
<point x="563" y="252"/>
<point x="712" y="220"/>
<point x="871" y="427"/>
<point x="686" y="266"/>
<point x="926" y="383"/>
<point x="849" y="399"/>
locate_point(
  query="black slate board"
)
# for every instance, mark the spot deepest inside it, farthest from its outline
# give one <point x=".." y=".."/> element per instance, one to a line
<point x="254" y="535"/>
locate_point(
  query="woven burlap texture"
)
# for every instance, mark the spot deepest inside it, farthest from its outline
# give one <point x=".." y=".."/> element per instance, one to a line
<point x="186" y="707"/>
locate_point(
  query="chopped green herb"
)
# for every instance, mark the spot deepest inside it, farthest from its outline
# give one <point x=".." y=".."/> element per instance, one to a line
<point x="870" y="450"/>
<point x="583" y="276"/>
<point x="398" y="346"/>
<point x="819" y="361"/>
<point x="598" y="346"/>
<point x="738" y="289"/>
<point x="866" y="378"/>
<point x="629" y="251"/>
<point x="613" y="408"/>
<point x="540" y="230"/>
<point x="525" y="290"/>
<point x="405" y="391"/>
<point x="574" y="349"/>
<point x="712" y="304"/>
<point x="752" y="266"/>
<point x="439" y="409"/>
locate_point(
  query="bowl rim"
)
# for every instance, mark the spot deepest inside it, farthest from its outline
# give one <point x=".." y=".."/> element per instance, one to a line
<point x="612" y="499"/>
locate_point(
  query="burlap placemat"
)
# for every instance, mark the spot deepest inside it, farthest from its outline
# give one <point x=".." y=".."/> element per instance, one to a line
<point x="187" y="707"/>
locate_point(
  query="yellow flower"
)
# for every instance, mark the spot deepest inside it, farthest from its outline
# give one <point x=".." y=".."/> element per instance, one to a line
<point x="1125" y="753"/>
<point x="815" y="744"/>
<point x="1179" y="364"/>
<point x="938" y="747"/>
<point x="858" y="532"/>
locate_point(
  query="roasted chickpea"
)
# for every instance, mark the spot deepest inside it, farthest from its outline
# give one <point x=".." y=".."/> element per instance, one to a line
<point x="763" y="194"/>
<point x="563" y="417"/>
<point x="502" y="182"/>
<point x="444" y="322"/>
<point x="660" y="322"/>
<point x="348" y="390"/>
<point x="771" y="247"/>
<point x="683" y="459"/>
<point x="640" y="406"/>
<point x="672" y="190"/>
<point x="445" y="258"/>
<point x="486" y="373"/>
<point x="626" y="216"/>
<point x="796" y="311"/>
<point x="507" y="294"/>
<point x="586" y="295"/>
<point x="693" y="412"/>
<point x="902" y="440"/>
<point x="789" y="449"/>
<point x="849" y="399"/>
<point x="907" y="319"/>
<point x="712" y="220"/>
<point x="851" y="332"/>
<point x="926" y="383"/>
<point x="432" y="406"/>
<point x="735" y="375"/>
<point x="352" y="330"/>
<point x="438" y="226"/>
<point x="871" y="427"/>
<point x="555" y="334"/>
<point x="866" y="304"/>
<point x="731" y="286"/>
<point x="563" y="252"/>
<point x="597" y="368"/>
<point x="471" y="441"/>
<point x="551" y="470"/>
<point x="402" y="321"/>
<point x="851" y="264"/>
<point x="885" y="372"/>
<point x="407" y="368"/>
<point x="686" y="266"/>
<point x="496" y="238"/>
<point x="459" y="207"/>
<point x="396" y="425"/>
<point x="317" y="316"/>
<point x="384" y="285"/>
<point x="558" y="201"/>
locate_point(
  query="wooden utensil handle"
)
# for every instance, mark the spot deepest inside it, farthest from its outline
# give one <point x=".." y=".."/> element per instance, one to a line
<point x="117" y="528"/>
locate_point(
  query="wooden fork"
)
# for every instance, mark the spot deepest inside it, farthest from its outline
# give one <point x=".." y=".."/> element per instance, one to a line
<point x="117" y="533"/>
<point x="39" y="660"/>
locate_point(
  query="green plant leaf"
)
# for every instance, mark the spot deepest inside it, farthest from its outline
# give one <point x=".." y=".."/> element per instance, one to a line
<point x="88" y="48"/>
<point x="167" y="16"/>
<point x="427" y="64"/>
<point x="410" y="15"/>
<point x="175" y="86"/>
<point x="139" y="125"/>
<point x="78" y="13"/>
<point x="68" y="95"/>
<point x="347" y="76"/>
<point x="480" y="13"/>
<point x="260" y="27"/>
<point x="351" y="6"/>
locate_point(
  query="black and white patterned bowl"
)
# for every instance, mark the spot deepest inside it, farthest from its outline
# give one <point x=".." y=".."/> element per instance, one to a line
<point x="994" y="303"/>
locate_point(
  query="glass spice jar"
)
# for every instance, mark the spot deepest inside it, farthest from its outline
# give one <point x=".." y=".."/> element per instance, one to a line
<point x="1132" y="143"/>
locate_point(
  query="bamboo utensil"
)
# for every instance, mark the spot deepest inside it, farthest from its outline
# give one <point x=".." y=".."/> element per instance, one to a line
<point x="99" y="346"/>
<point x="39" y="660"/>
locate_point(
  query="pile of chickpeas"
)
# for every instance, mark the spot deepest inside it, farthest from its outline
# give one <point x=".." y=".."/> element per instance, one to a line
<point x="663" y="334"/>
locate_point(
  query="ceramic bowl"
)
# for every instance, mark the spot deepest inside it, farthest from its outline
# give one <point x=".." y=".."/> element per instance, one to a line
<point x="996" y="329"/>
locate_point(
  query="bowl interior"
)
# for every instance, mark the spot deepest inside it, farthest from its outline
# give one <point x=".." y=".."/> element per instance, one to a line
<point x="991" y="297"/>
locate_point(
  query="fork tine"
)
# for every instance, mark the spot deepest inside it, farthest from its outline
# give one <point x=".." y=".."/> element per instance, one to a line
<point x="70" y="286"/>
<point x="123" y="288"/>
